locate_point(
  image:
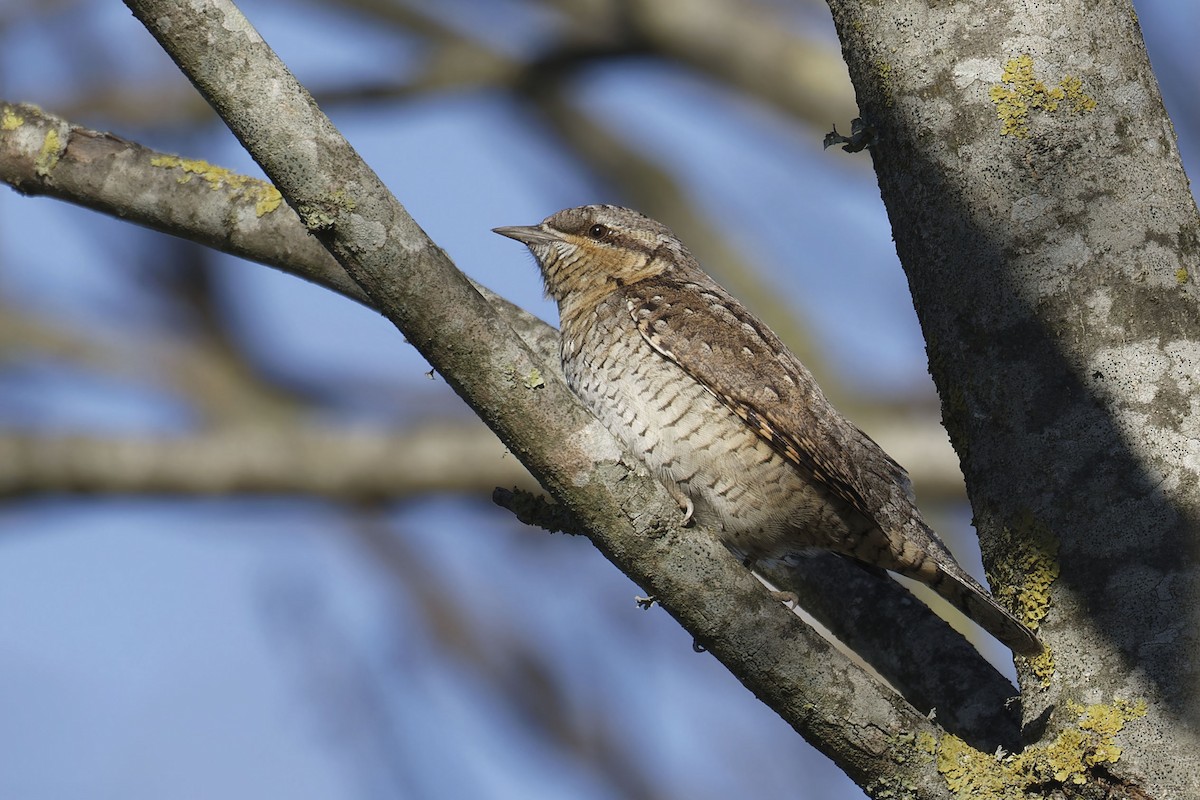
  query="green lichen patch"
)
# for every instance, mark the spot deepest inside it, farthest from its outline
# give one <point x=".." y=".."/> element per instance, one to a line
<point x="927" y="743"/>
<point x="10" y="120"/>
<point x="1042" y="666"/>
<point x="1072" y="88"/>
<point x="323" y="215"/>
<point x="534" y="379"/>
<point x="1028" y="570"/>
<point x="1181" y="276"/>
<point x="315" y="218"/>
<point x="47" y="158"/>
<point x="1023" y="577"/>
<point x="1069" y="759"/>
<point x="885" y="788"/>
<point x="970" y="773"/>
<point x="529" y="379"/>
<point x="266" y="198"/>
<point x="342" y="199"/>
<point x="1020" y="92"/>
<point x="886" y="84"/>
<point x="1091" y="742"/>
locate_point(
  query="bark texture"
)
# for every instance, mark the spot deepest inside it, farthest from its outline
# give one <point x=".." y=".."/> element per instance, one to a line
<point x="1044" y="221"/>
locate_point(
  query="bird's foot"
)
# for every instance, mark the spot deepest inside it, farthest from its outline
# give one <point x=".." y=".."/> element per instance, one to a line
<point x="644" y="603"/>
<point x="685" y="503"/>
<point x="789" y="599"/>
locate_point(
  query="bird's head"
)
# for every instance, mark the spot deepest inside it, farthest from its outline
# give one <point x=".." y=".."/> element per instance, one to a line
<point x="586" y="253"/>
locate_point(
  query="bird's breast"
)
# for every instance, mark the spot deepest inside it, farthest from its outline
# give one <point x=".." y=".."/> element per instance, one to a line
<point x="757" y="502"/>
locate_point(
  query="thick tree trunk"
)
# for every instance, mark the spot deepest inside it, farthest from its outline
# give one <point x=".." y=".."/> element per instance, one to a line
<point x="1044" y="221"/>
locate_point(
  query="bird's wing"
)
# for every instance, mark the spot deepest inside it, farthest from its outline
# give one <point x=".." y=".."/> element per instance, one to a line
<point x="711" y="336"/>
<point x="696" y="324"/>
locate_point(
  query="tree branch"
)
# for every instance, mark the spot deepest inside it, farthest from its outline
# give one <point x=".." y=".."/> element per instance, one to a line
<point x="97" y="171"/>
<point x="746" y="46"/>
<point x="635" y="523"/>
<point x="348" y="466"/>
<point x="189" y="198"/>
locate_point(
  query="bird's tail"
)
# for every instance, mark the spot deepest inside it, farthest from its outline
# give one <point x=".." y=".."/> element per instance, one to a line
<point x="919" y="554"/>
<point x="969" y="597"/>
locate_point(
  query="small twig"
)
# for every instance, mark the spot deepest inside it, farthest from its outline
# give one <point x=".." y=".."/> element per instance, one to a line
<point x="538" y="510"/>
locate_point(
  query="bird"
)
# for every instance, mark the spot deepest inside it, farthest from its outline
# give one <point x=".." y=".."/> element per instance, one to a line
<point x="725" y="416"/>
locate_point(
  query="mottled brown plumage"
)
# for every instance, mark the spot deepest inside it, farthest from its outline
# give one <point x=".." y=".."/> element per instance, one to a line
<point x="724" y="415"/>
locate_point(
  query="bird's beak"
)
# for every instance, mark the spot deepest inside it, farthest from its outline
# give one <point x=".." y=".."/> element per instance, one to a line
<point x="527" y="234"/>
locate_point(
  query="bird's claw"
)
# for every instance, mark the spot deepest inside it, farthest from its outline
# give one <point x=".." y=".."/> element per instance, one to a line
<point x="685" y="502"/>
<point x="789" y="599"/>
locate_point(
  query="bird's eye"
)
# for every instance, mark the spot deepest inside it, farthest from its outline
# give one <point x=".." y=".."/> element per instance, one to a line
<point x="598" y="232"/>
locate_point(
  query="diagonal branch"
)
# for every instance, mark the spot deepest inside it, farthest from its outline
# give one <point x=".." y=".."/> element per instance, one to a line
<point x="97" y="170"/>
<point x="41" y="154"/>
<point x="631" y="519"/>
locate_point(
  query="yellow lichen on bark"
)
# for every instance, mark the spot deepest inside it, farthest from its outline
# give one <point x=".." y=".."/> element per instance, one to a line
<point x="10" y="120"/>
<point x="975" y="775"/>
<point x="1022" y="580"/>
<point x="47" y="158"/>
<point x="1020" y="91"/>
<point x="265" y="196"/>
